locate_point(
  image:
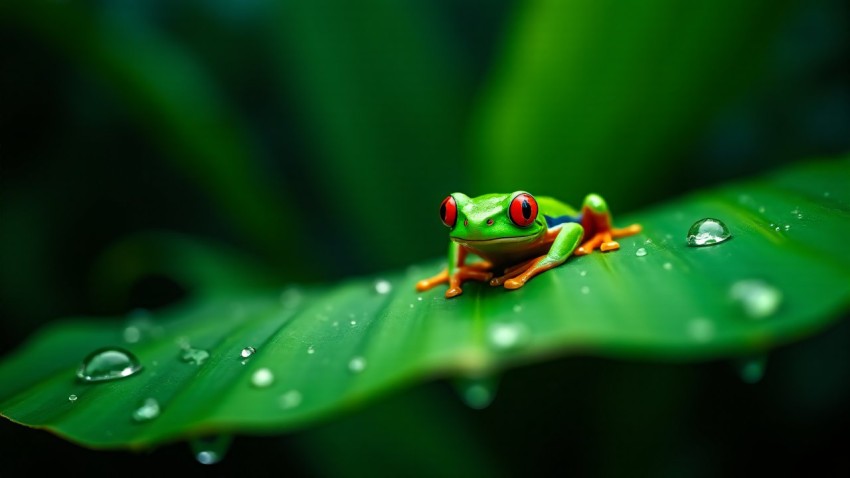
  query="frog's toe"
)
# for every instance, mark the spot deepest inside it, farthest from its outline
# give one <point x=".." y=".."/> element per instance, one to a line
<point x="609" y="246"/>
<point x="453" y="292"/>
<point x="515" y="283"/>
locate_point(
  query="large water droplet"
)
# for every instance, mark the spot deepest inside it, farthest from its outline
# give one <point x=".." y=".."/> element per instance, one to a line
<point x="148" y="410"/>
<point x="195" y="356"/>
<point x="477" y="393"/>
<point x="640" y="252"/>
<point x="357" y="364"/>
<point x="290" y="399"/>
<point x="108" y="364"/>
<point x="707" y="232"/>
<point x="262" y="378"/>
<point x="210" y="450"/>
<point x="508" y="336"/>
<point x="758" y="298"/>
<point x="383" y="287"/>
<point x="247" y="352"/>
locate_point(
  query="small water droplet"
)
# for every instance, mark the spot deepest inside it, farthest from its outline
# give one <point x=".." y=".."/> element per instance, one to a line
<point x="777" y="229"/>
<point x="761" y="209"/>
<point x="290" y="298"/>
<point x="758" y="298"/>
<point x="311" y="350"/>
<point x="148" y="410"/>
<point x="419" y="298"/>
<point x="210" y="450"/>
<point x="707" y="232"/>
<point x="826" y="194"/>
<point x="787" y="227"/>
<point x="194" y="356"/>
<point x="72" y="398"/>
<point x="353" y="323"/>
<point x="640" y="252"/>
<point x="517" y="308"/>
<point x="357" y="364"/>
<point x="508" y="336"/>
<point x="477" y="393"/>
<point x="132" y="334"/>
<point x="383" y="287"/>
<point x="411" y="306"/>
<point x="247" y="352"/>
<point x="290" y="399"/>
<point x="262" y="378"/>
<point x="702" y="330"/>
<point x="667" y="266"/>
<point x="752" y="370"/>
<point x="582" y="273"/>
<point x="585" y="289"/>
<point x="108" y="364"/>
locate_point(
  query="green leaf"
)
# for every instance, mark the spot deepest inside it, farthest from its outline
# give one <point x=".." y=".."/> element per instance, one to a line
<point x="330" y="349"/>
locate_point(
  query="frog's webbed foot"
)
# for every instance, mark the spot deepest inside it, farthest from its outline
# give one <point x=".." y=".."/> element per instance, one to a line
<point x="479" y="271"/>
<point x="604" y="240"/>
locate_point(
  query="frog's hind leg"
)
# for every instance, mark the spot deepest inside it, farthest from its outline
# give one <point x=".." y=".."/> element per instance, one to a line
<point x="565" y="243"/>
<point x="596" y="219"/>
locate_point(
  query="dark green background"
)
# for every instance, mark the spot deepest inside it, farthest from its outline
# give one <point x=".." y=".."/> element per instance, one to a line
<point x="319" y="137"/>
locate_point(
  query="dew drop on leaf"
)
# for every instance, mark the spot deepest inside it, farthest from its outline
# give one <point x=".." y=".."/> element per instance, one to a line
<point x="108" y="364"/>
<point x="247" y="352"/>
<point x="701" y="330"/>
<point x="477" y="393"/>
<point x="195" y="356"/>
<point x="640" y="252"/>
<point x="752" y="370"/>
<point x="758" y="298"/>
<point x="383" y="287"/>
<point x="262" y="378"/>
<point x="357" y="364"/>
<point x="707" y="232"/>
<point x="507" y="336"/>
<point x="290" y="399"/>
<point x="72" y="398"/>
<point x="148" y="410"/>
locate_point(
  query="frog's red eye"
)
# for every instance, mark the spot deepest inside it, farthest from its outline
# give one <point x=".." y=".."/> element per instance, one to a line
<point x="523" y="210"/>
<point x="448" y="212"/>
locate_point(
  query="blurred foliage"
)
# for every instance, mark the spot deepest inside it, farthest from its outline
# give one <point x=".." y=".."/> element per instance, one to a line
<point x="319" y="137"/>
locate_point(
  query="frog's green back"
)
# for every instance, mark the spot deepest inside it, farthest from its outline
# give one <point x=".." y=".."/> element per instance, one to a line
<point x="553" y="208"/>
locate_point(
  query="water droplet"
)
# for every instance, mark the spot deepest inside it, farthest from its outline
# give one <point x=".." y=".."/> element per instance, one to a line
<point x="758" y="298"/>
<point x="826" y="194"/>
<point x="419" y="298"/>
<point x="353" y="323"/>
<point x="582" y="273"/>
<point x="383" y="287"/>
<point x="108" y="364"/>
<point x="707" y="232"/>
<point x="357" y="364"/>
<point x="194" y="356"/>
<point x="411" y="306"/>
<point x="787" y="227"/>
<point x="667" y="266"/>
<point x="585" y="289"/>
<point x="777" y="229"/>
<point x="311" y="350"/>
<point x="132" y="334"/>
<point x="517" y="308"/>
<point x="262" y="378"/>
<point x="640" y="252"/>
<point x="210" y="450"/>
<point x="752" y="370"/>
<point x="477" y="393"/>
<point x="247" y="352"/>
<point x="72" y="398"/>
<point x="290" y="399"/>
<point x="507" y="336"/>
<point x="702" y="330"/>
<point x="148" y="410"/>
<point x="761" y="209"/>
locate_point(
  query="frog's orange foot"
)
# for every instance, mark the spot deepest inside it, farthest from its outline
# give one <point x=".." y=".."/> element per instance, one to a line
<point x="604" y="240"/>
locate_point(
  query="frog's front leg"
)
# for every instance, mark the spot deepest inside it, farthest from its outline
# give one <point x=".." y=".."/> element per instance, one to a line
<point x="457" y="272"/>
<point x="596" y="220"/>
<point x="565" y="243"/>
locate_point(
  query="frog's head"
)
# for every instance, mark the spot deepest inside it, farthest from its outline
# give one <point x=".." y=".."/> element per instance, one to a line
<point x="492" y="221"/>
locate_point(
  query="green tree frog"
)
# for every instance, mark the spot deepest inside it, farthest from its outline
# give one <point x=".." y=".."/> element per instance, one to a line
<point x="519" y="236"/>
